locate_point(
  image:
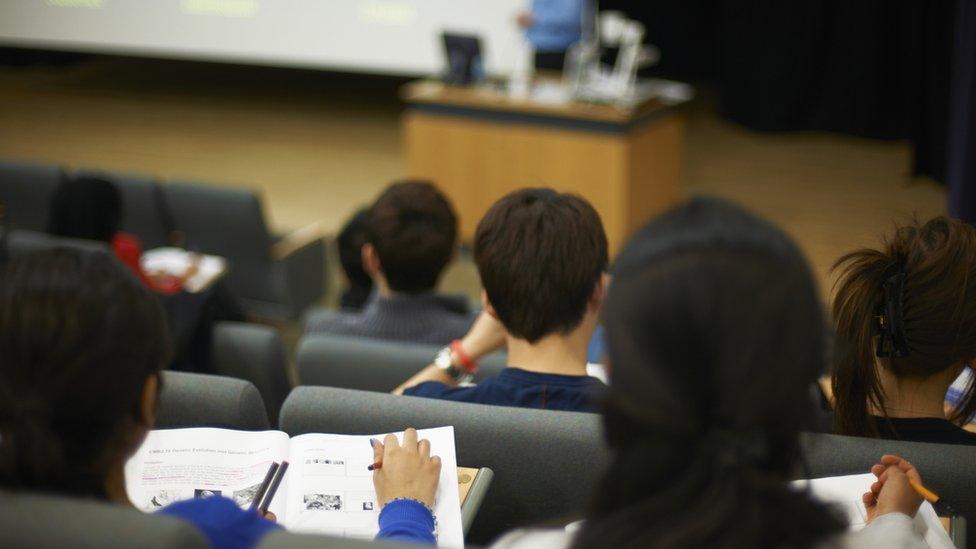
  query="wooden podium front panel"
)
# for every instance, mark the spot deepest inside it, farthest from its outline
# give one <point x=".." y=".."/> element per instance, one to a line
<point x="627" y="176"/>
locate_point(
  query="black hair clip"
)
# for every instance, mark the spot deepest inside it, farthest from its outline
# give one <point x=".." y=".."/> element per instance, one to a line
<point x="890" y="319"/>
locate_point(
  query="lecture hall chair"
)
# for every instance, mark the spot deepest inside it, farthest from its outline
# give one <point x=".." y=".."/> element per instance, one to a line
<point x="369" y="364"/>
<point x="276" y="278"/>
<point x="253" y="352"/>
<point x="25" y="192"/>
<point x="200" y="400"/>
<point x="27" y="520"/>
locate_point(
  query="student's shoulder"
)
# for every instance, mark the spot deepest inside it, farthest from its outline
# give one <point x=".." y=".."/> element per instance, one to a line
<point x="221" y="520"/>
<point x="436" y="389"/>
<point x="336" y="322"/>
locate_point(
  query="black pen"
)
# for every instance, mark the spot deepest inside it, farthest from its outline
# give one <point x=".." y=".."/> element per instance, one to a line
<point x="263" y="488"/>
<point x="273" y="488"/>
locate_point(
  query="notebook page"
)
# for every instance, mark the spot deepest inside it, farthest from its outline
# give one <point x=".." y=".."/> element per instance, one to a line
<point x="178" y="464"/>
<point x="330" y="490"/>
<point x="846" y="492"/>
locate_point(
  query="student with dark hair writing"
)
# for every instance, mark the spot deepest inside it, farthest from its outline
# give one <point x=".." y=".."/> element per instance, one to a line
<point x="82" y="344"/>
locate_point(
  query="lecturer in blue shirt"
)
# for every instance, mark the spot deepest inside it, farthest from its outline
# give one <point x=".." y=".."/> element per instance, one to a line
<point x="552" y="26"/>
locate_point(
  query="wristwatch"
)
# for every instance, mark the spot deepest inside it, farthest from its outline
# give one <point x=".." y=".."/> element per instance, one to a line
<point x="445" y="362"/>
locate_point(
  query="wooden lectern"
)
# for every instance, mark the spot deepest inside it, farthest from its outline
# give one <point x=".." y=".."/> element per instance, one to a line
<point x="478" y="144"/>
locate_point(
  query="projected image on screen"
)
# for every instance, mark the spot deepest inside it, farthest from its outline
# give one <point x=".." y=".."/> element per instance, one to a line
<point x="383" y="36"/>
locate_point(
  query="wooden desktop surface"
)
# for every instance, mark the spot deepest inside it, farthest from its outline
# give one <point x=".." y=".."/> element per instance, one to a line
<point x="465" y="479"/>
<point x="491" y="98"/>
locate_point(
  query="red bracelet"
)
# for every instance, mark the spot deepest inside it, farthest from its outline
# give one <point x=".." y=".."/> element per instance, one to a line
<point x="469" y="365"/>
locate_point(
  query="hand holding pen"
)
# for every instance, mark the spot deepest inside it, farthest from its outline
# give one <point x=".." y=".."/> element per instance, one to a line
<point x="404" y="471"/>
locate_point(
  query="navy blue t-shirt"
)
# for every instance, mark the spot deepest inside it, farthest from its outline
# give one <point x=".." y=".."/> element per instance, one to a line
<point x="523" y="389"/>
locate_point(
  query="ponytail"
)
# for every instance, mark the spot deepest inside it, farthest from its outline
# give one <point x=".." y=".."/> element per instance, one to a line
<point x="854" y="380"/>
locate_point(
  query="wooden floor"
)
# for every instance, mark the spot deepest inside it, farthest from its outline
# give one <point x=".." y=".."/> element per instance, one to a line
<point x="319" y="145"/>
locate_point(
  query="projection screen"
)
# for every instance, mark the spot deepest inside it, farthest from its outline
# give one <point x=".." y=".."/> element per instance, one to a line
<point x="398" y="37"/>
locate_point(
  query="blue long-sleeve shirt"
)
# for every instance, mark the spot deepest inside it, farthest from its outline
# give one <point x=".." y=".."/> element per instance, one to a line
<point x="227" y="526"/>
<point x="558" y="24"/>
<point x="406" y="520"/>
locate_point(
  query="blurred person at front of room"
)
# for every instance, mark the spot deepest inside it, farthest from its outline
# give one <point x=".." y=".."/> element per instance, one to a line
<point x="542" y="257"/>
<point x="905" y="317"/>
<point x="552" y="26"/>
<point x="410" y="239"/>
<point x="715" y="332"/>
<point x="82" y="345"/>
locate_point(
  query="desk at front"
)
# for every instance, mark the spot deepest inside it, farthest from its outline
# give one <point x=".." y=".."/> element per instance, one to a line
<point x="478" y="144"/>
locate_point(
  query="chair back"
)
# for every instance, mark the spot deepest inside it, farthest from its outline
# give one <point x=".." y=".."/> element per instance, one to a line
<point x="46" y="521"/>
<point x="25" y="193"/>
<point x="199" y="400"/>
<point x="255" y="353"/>
<point x="369" y="364"/>
<point x="546" y="463"/>
<point x="228" y="223"/>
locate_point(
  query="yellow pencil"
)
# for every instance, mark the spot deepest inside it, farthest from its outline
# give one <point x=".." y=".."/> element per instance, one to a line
<point x="929" y="495"/>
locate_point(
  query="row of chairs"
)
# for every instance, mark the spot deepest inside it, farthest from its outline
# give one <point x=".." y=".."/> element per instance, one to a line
<point x="275" y="276"/>
<point x="546" y="463"/>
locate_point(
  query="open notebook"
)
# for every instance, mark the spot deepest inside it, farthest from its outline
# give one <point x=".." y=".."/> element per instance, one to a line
<point x="327" y="489"/>
<point x="203" y="270"/>
<point x="846" y="491"/>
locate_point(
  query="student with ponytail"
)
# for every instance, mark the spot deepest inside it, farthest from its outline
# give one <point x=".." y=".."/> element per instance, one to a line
<point x="905" y="316"/>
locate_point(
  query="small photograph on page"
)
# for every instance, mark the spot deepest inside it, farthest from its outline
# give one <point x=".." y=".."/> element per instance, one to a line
<point x="323" y="502"/>
<point x="162" y="498"/>
<point x="201" y="493"/>
<point x="362" y="502"/>
<point x="245" y="496"/>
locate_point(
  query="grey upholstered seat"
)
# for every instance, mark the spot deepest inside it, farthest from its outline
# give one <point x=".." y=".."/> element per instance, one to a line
<point x="230" y="223"/>
<point x="26" y="242"/>
<point x="144" y="210"/>
<point x="198" y="400"/>
<point x="25" y="192"/>
<point x="546" y="463"/>
<point x="43" y="521"/>
<point x="287" y="540"/>
<point x="368" y="364"/>
<point x="255" y="353"/>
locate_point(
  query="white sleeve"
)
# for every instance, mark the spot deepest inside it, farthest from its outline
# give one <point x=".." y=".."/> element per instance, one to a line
<point x="533" y="539"/>
<point x="889" y="531"/>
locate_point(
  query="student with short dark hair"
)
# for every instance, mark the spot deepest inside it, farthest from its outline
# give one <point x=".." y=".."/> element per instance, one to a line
<point x="82" y="344"/>
<point x="411" y="237"/>
<point x="542" y="257"/>
<point x="905" y="317"/>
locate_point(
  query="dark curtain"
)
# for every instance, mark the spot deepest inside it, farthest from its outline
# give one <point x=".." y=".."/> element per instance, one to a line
<point x="873" y="68"/>
<point x="962" y="138"/>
